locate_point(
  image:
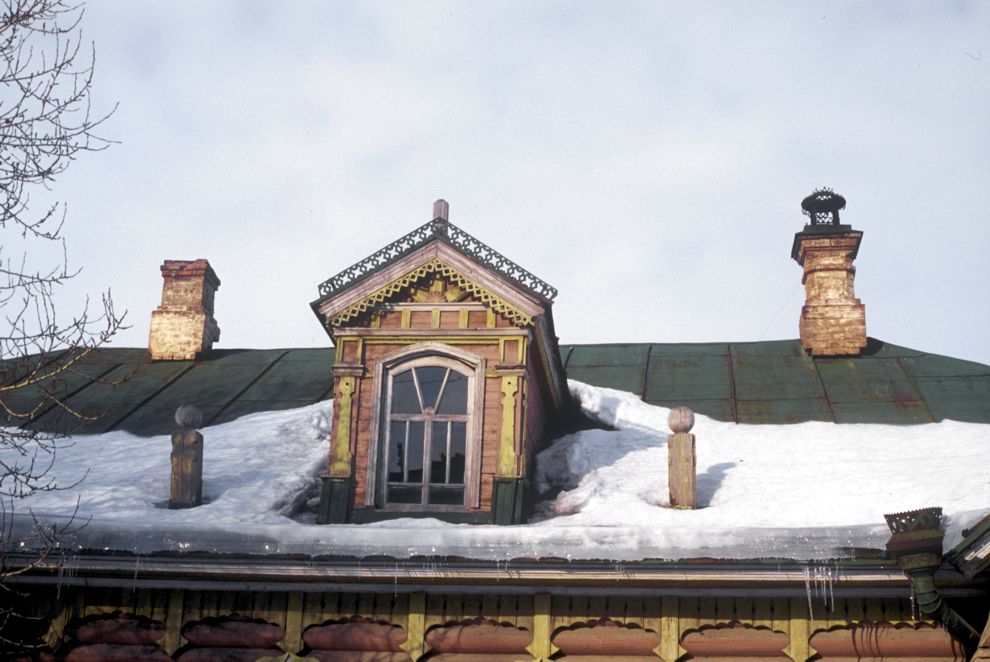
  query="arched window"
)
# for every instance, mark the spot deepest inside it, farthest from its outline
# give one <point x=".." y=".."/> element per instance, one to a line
<point x="426" y="442"/>
<point x="426" y="456"/>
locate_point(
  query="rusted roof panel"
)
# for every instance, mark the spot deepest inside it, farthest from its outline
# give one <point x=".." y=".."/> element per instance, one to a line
<point x="902" y="412"/>
<point x="769" y="348"/>
<point x="775" y="377"/>
<point x="866" y="380"/>
<point x="782" y="410"/>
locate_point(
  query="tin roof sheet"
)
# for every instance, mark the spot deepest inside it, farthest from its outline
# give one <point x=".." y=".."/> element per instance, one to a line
<point x="756" y="382"/>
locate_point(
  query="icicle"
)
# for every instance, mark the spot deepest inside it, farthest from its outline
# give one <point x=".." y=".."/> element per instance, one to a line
<point x="831" y="585"/>
<point x="914" y="605"/>
<point x="807" y="591"/>
<point x="137" y="564"/>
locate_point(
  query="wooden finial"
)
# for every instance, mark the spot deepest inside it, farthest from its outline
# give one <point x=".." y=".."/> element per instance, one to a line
<point x="441" y="210"/>
<point x="680" y="419"/>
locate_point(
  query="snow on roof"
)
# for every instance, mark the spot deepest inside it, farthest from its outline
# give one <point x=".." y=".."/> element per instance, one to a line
<point x="804" y="491"/>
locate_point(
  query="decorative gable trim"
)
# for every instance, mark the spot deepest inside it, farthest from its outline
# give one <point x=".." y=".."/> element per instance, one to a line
<point x="439" y="229"/>
<point x="437" y="267"/>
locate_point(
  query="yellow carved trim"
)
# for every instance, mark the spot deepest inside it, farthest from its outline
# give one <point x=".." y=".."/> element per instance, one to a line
<point x="341" y="465"/>
<point x="800" y="648"/>
<point x="670" y="649"/>
<point x="462" y="318"/>
<point x="490" y="319"/>
<point x="406" y="321"/>
<point x="173" y="622"/>
<point x="376" y="320"/>
<point x="507" y="440"/>
<point x="415" y="643"/>
<point x="435" y="318"/>
<point x="542" y="647"/>
<point x="293" y="640"/>
<point x="435" y="266"/>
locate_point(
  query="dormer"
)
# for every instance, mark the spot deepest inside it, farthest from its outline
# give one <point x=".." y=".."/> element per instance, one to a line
<point x="447" y="377"/>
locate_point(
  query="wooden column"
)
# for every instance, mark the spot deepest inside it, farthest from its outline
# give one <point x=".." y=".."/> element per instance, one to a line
<point x="187" y="459"/>
<point x="681" y="460"/>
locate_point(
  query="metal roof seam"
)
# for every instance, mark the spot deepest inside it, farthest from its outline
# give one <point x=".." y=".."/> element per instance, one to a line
<point x="251" y="383"/>
<point x="116" y="425"/>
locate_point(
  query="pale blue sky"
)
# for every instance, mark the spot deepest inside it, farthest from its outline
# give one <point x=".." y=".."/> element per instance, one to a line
<point x="647" y="159"/>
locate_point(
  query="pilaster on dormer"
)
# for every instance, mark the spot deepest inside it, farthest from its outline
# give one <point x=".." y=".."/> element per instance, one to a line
<point x="833" y="320"/>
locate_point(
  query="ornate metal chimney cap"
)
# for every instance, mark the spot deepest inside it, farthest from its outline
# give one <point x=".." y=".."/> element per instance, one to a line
<point x="823" y="206"/>
<point x="914" y="520"/>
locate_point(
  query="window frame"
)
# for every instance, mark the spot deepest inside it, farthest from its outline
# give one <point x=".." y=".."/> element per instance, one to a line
<point x="414" y="356"/>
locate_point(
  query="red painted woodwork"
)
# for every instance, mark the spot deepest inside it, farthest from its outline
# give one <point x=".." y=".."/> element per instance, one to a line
<point x="729" y="642"/>
<point x="233" y="633"/>
<point x="606" y="638"/>
<point x="119" y="629"/>
<point x="358" y="656"/>
<point x="882" y="639"/>
<point x="355" y="636"/>
<point x="116" y="653"/>
<point x="479" y="638"/>
<point x="227" y="654"/>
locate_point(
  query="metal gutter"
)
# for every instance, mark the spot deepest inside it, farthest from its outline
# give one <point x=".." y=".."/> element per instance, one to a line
<point x="771" y="579"/>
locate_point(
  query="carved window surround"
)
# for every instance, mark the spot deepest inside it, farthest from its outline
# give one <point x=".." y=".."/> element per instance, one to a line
<point x="417" y="355"/>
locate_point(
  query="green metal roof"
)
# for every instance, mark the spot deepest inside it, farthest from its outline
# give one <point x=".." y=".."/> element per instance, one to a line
<point x="757" y="382"/>
<point x="778" y="382"/>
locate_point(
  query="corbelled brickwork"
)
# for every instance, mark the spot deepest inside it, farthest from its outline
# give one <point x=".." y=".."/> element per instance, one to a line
<point x="833" y="320"/>
<point x="183" y="325"/>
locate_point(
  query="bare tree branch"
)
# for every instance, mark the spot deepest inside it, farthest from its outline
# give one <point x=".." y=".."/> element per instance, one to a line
<point x="46" y="123"/>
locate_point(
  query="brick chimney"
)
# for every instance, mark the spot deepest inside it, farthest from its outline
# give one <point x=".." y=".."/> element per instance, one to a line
<point x="183" y="325"/>
<point x="833" y="320"/>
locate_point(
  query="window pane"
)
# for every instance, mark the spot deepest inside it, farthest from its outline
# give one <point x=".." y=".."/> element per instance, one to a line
<point x="414" y="458"/>
<point x="447" y="496"/>
<point x="396" y="451"/>
<point x="404" y="399"/>
<point x="430" y="381"/>
<point x="405" y="494"/>
<point x="458" y="452"/>
<point x="454" y="395"/>
<point x="438" y="453"/>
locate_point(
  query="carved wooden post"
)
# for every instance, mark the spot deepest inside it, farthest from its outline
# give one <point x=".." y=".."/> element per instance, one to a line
<point x="681" y="471"/>
<point x="187" y="459"/>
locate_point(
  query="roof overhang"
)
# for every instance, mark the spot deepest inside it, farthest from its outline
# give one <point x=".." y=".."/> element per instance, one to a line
<point x="771" y="578"/>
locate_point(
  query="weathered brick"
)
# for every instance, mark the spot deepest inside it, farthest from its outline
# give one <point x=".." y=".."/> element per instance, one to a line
<point x="183" y="325"/>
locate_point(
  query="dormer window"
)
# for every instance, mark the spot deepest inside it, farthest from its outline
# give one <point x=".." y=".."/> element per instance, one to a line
<point x="446" y="376"/>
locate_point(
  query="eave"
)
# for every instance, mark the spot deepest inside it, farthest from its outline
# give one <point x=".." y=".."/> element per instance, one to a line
<point x="768" y="578"/>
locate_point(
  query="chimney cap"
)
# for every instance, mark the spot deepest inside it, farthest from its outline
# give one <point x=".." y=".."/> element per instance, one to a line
<point x="823" y="206"/>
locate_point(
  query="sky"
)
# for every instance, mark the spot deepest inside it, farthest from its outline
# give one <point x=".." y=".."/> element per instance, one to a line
<point x="648" y="159"/>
